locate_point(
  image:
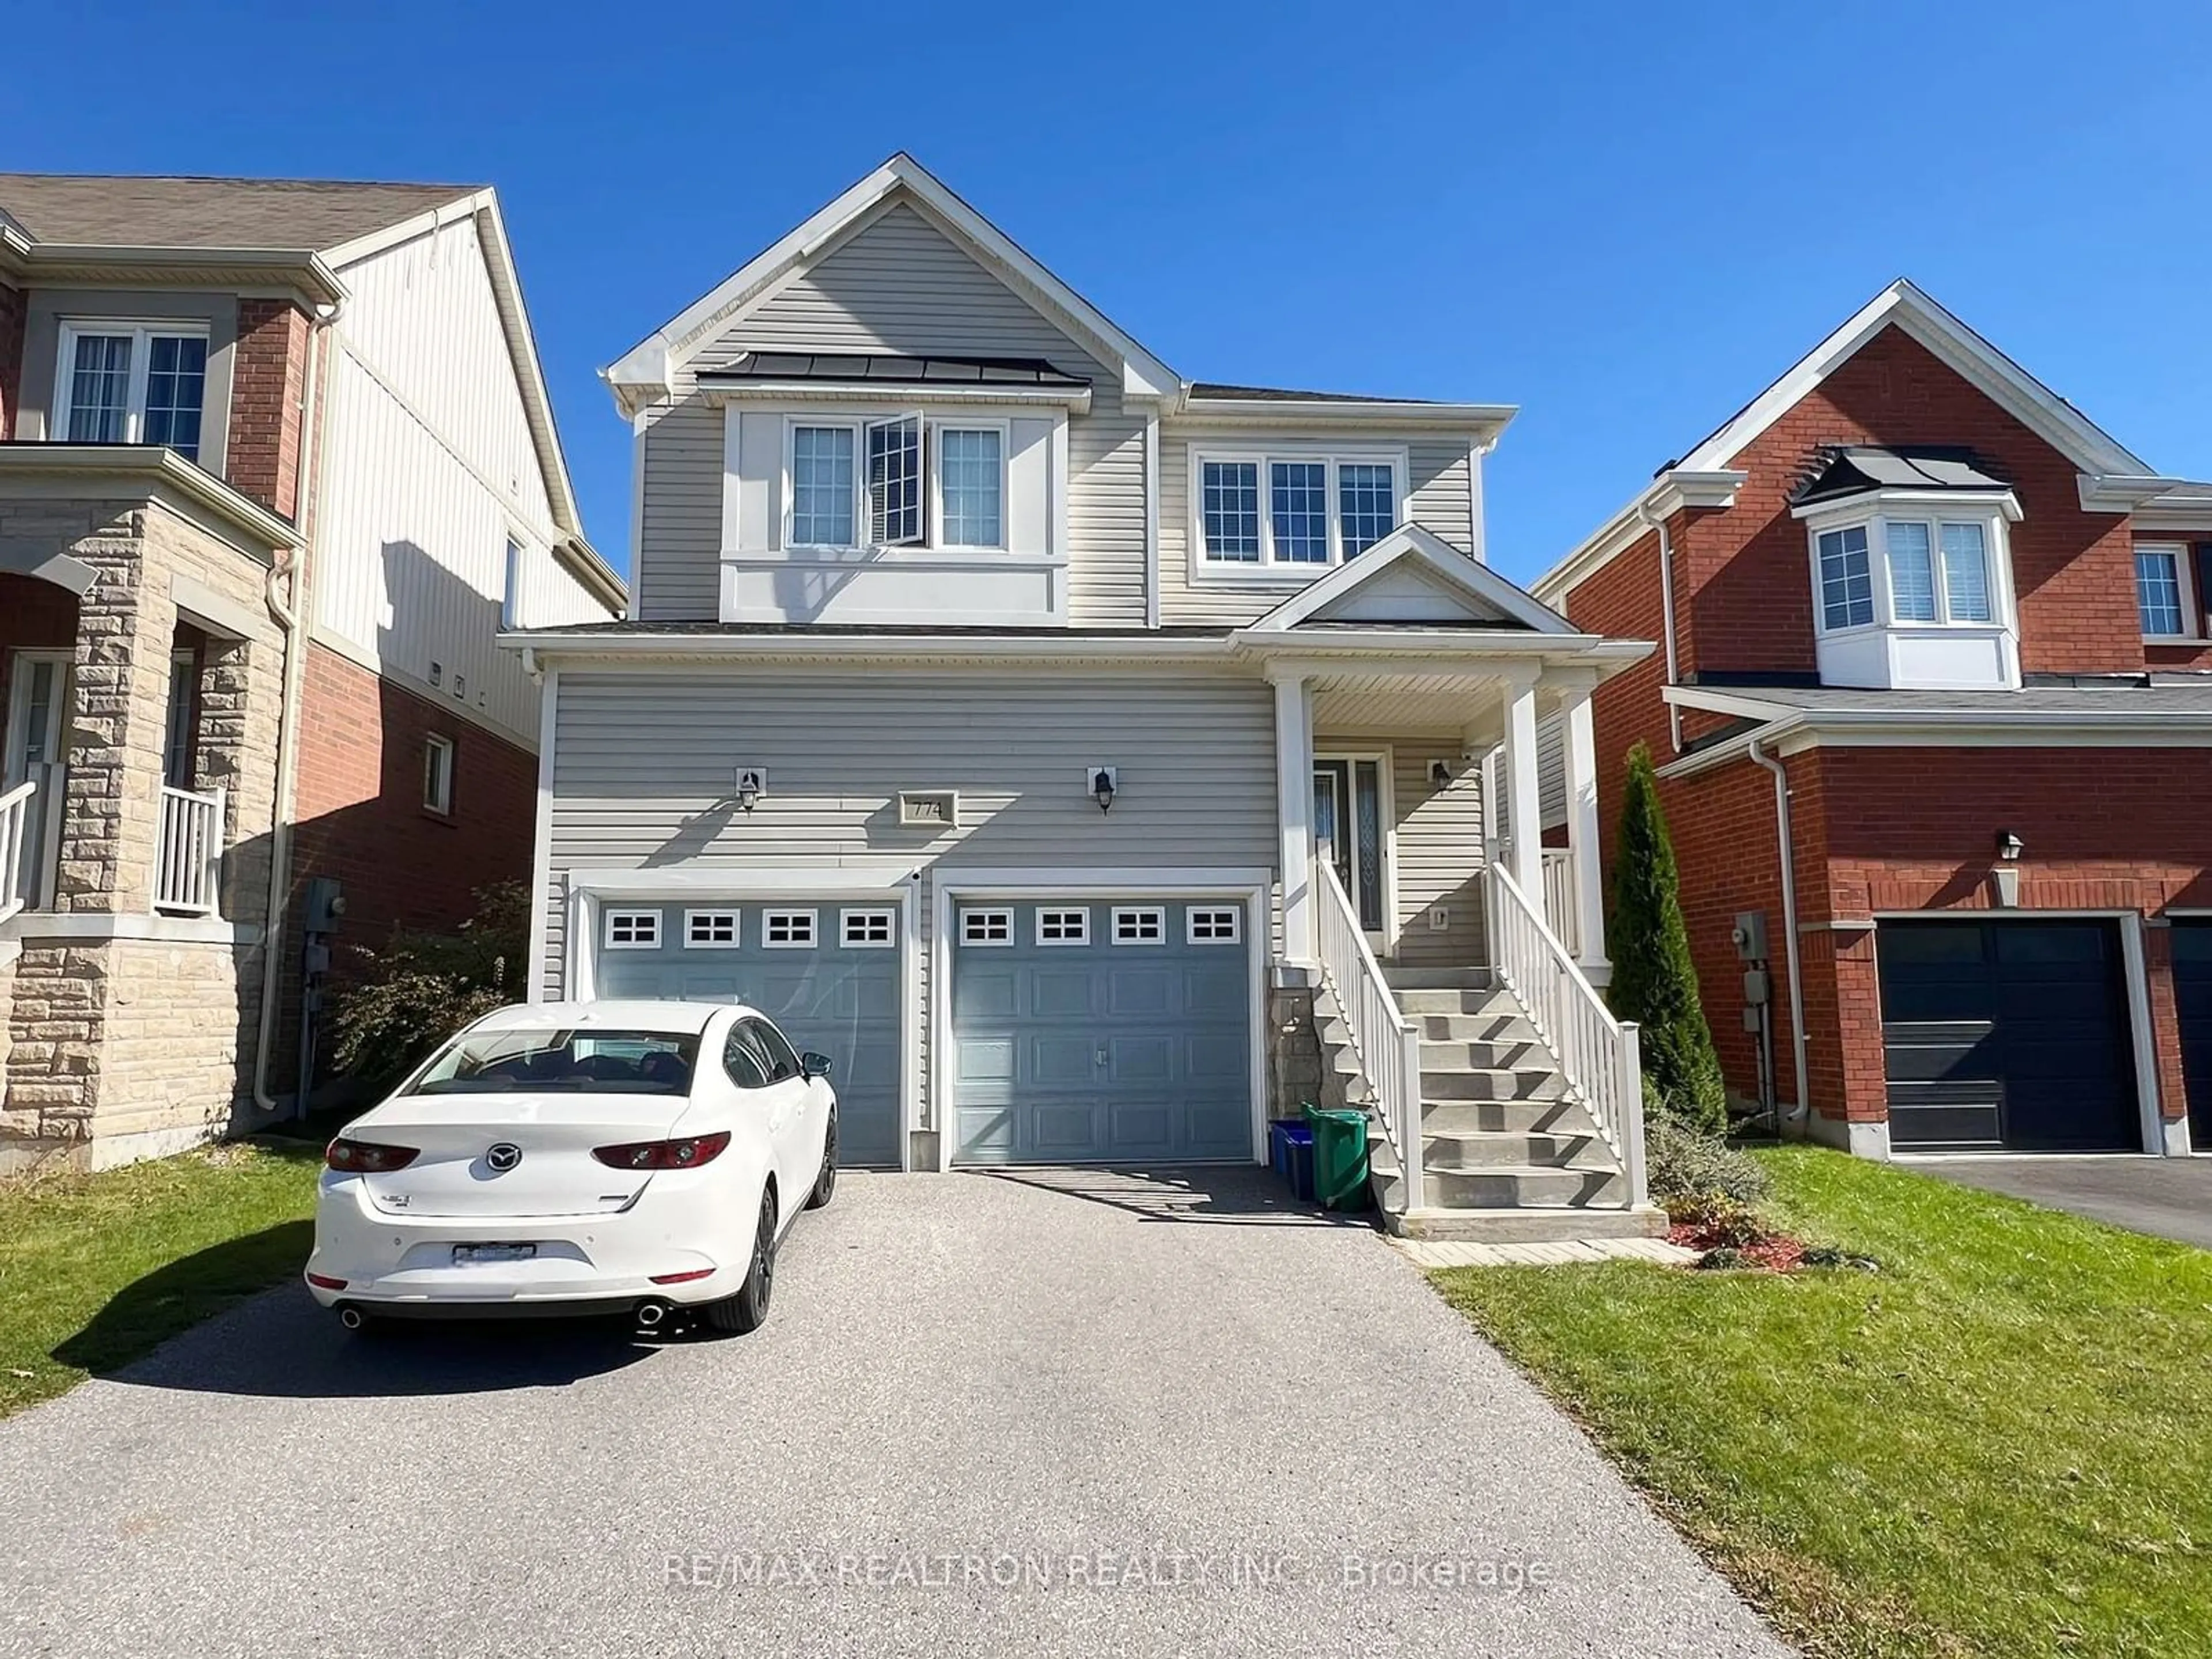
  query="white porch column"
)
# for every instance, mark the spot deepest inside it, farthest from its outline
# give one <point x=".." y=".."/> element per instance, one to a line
<point x="1522" y="801"/>
<point x="1583" y="836"/>
<point x="1294" y="798"/>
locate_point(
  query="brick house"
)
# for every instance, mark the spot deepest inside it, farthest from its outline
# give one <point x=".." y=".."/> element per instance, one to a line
<point x="276" y="463"/>
<point x="1929" y="629"/>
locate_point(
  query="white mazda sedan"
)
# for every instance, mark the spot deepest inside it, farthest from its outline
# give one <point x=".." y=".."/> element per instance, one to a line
<point x="581" y="1157"/>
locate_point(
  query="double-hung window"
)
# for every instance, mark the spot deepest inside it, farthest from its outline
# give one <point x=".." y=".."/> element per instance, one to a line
<point x="1936" y="571"/>
<point x="2163" y="595"/>
<point x="1293" y="511"/>
<point x="1846" y="581"/>
<point x="131" y="383"/>
<point x="901" y="481"/>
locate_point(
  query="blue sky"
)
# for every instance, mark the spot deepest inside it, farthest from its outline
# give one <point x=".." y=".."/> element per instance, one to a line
<point x="1626" y="219"/>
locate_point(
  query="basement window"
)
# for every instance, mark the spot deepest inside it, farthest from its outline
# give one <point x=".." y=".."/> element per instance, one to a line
<point x="438" y="775"/>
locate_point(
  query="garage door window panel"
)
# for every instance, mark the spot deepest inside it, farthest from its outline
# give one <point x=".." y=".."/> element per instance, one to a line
<point x="866" y="930"/>
<point x="1145" y="924"/>
<point x="712" y="930"/>
<point x="633" y="930"/>
<point x="987" y="928"/>
<point x="1057" y="927"/>
<point x="1210" y="926"/>
<point x="787" y="929"/>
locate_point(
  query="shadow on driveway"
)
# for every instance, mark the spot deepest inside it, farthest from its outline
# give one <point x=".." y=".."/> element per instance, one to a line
<point x="1233" y="1195"/>
<point x="281" y="1343"/>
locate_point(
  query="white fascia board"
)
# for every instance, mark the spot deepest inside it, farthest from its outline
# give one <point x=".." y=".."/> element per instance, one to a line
<point x="1075" y="399"/>
<point x="406" y="230"/>
<point x="1671" y="492"/>
<point x="1411" y="542"/>
<point x="300" y="272"/>
<point x="1748" y="706"/>
<point x="2051" y="417"/>
<point x="1960" y="728"/>
<point x="1443" y="647"/>
<point x="645" y="365"/>
<point x="529" y="374"/>
<point x="1477" y="422"/>
<point x="559" y="647"/>
<point x="2104" y="492"/>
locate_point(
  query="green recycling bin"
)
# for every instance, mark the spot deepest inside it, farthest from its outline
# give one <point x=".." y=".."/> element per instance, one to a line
<point x="1340" y="1157"/>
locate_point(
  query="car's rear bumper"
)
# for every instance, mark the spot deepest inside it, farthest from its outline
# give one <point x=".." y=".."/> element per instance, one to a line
<point x="403" y="1264"/>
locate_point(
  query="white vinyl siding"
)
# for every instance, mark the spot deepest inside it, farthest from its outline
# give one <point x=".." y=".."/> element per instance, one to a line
<point x="898" y="284"/>
<point x="1198" y="784"/>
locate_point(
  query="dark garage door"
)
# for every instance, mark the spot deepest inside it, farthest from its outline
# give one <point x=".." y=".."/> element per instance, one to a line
<point x="1096" y="1032"/>
<point x="2009" y="1034"/>
<point x="826" y="971"/>
<point x="2192" y="996"/>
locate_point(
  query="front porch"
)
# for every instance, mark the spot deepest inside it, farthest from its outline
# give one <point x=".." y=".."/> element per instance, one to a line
<point x="140" y="685"/>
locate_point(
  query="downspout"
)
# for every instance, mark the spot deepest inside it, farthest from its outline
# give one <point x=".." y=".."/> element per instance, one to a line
<point x="1785" y="841"/>
<point x="1667" y="616"/>
<point x="286" y="611"/>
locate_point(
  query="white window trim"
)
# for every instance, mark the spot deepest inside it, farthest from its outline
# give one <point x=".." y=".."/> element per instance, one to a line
<point x="769" y="920"/>
<point x="609" y="918"/>
<point x="510" y="591"/>
<point x="1159" y="919"/>
<point x="142" y="331"/>
<point x="1045" y="910"/>
<point x="857" y="422"/>
<point x="736" y="940"/>
<point x="974" y="914"/>
<point x="2184" y="581"/>
<point x="1191" y="914"/>
<point x="433" y="743"/>
<point x="847" y="918"/>
<point x="1997" y="552"/>
<point x="1205" y="571"/>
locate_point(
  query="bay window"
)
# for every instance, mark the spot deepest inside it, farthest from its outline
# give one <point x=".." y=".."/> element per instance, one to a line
<point x="1912" y="589"/>
<point x="900" y="480"/>
<point x="1936" y="571"/>
<point x="131" y="383"/>
<point x="1280" y="511"/>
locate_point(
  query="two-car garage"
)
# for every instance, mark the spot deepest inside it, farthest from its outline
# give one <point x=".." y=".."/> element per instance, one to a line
<point x="1074" y="1028"/>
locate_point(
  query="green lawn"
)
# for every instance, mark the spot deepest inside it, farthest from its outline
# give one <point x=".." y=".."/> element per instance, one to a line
<point x="96" y="1269"/>
<point x="2000" y="1444"/>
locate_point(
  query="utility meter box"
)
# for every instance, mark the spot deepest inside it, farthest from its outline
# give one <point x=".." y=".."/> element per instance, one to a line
<point x="1749" y="935"/>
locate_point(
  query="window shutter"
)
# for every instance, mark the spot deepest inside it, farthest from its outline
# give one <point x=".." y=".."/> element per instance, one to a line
<point x="2200" y="563"/>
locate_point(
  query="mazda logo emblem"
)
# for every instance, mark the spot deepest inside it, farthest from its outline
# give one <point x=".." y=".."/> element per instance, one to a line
<point x="503" y="1157"/>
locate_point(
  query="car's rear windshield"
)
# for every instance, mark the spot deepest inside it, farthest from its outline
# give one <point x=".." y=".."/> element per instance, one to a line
<point x="601" y="1061"/>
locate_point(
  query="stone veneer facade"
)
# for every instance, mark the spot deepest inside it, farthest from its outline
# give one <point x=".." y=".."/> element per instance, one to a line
<point x="120" y="1023"/>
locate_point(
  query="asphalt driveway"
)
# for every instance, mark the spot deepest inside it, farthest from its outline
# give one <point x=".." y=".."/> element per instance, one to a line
<point x="2166" y="1197"/>
<point x="990" y="1414"/>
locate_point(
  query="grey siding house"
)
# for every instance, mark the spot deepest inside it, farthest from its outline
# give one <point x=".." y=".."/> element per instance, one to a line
<point x="1094" y="761"/>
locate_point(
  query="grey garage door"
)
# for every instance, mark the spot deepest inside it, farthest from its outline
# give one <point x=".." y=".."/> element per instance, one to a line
<point x="2008" y="1034"/>
<point x="826" y="971"/>
<point x="1098" y="1032"/>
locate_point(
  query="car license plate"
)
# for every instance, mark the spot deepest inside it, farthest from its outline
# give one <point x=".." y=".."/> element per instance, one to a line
<point x="469" y="1256"/>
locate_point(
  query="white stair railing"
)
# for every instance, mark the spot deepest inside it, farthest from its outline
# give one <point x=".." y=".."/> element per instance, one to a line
<point x="1387" y="1044"/>
<point x="190" y="852"/>
<point x="1560" y="904"/>
<point x="1599" y="1056"/>
<point x="15" y="824"/>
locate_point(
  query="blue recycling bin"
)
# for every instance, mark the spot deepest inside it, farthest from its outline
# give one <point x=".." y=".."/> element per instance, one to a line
<point x="1289" y="1152"/>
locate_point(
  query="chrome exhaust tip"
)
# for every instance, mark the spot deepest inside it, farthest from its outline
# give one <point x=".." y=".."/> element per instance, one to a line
<point x="350" y="1317"/>
<point x="650" y="1313"/>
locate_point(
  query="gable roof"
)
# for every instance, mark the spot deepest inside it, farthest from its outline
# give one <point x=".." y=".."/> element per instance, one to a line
<point x="2113" y="478"/>
<point x="1490" y="599"/>
<point x="644" y="368"/>
<point x="102" y="210"/>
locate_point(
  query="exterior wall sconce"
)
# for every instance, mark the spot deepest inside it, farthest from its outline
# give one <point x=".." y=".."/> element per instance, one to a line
<point x="2005" y="878"/>
<point x="1101" y="783"/>
<point x="752" y="784"/>
<point x="2010" y="846"/>
<point x="1440" y="774"/>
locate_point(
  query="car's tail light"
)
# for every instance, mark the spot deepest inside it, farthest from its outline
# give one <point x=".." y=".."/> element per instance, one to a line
<point x="681" y="1278"/>
<point x="367" y="1157"/>
<point x="686" y="1154"/>
<point x="325" y="1282"/>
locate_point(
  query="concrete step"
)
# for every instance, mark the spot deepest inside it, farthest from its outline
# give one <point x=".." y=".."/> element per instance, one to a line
<point x="1435" y="978"/>
<point x="1450" y="1000"/>
<point x="1515" y="1187"/>
<point x="1483" y="1053"/>
<point x="1553" y="1116"/>
<point x="1526" y="1226"/>
<point x="1525" y="1083"/>
<point x="1482" y="1150"/>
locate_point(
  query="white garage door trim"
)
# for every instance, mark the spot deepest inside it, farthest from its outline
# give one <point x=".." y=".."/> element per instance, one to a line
<point x="1250" y="888"/>
<point x="2136" y="976"/>
<point x="586" y="890"/>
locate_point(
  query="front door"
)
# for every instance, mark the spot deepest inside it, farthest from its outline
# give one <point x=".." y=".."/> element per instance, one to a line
<point x="1348" y="831"/>
<point x="38" y="720"/>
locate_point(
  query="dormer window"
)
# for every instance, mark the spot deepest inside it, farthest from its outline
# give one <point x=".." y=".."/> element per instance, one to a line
<point x="1285" y="511"/>
<point x="1911" y="579"/>
<point x="901" y="481"/>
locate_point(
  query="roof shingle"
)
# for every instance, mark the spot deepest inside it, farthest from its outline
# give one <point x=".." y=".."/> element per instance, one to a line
<point x="102" y="210"/>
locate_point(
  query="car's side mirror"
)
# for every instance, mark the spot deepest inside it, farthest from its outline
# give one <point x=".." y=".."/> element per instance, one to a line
<point x="814" y="1065"/>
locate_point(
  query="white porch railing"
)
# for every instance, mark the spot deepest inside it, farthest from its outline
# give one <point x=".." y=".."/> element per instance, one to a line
<point x="16" y="822"/>
<point x="1561" y="907"/>
<point x="1599" y="1056"/>
<point x="190" y="852"/>
<point x="1386" y="1043"/>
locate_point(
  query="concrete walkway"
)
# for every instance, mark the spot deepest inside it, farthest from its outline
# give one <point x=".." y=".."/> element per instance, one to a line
<point x="1044" y="1414"/>
<point x="2165" y="1197"/>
